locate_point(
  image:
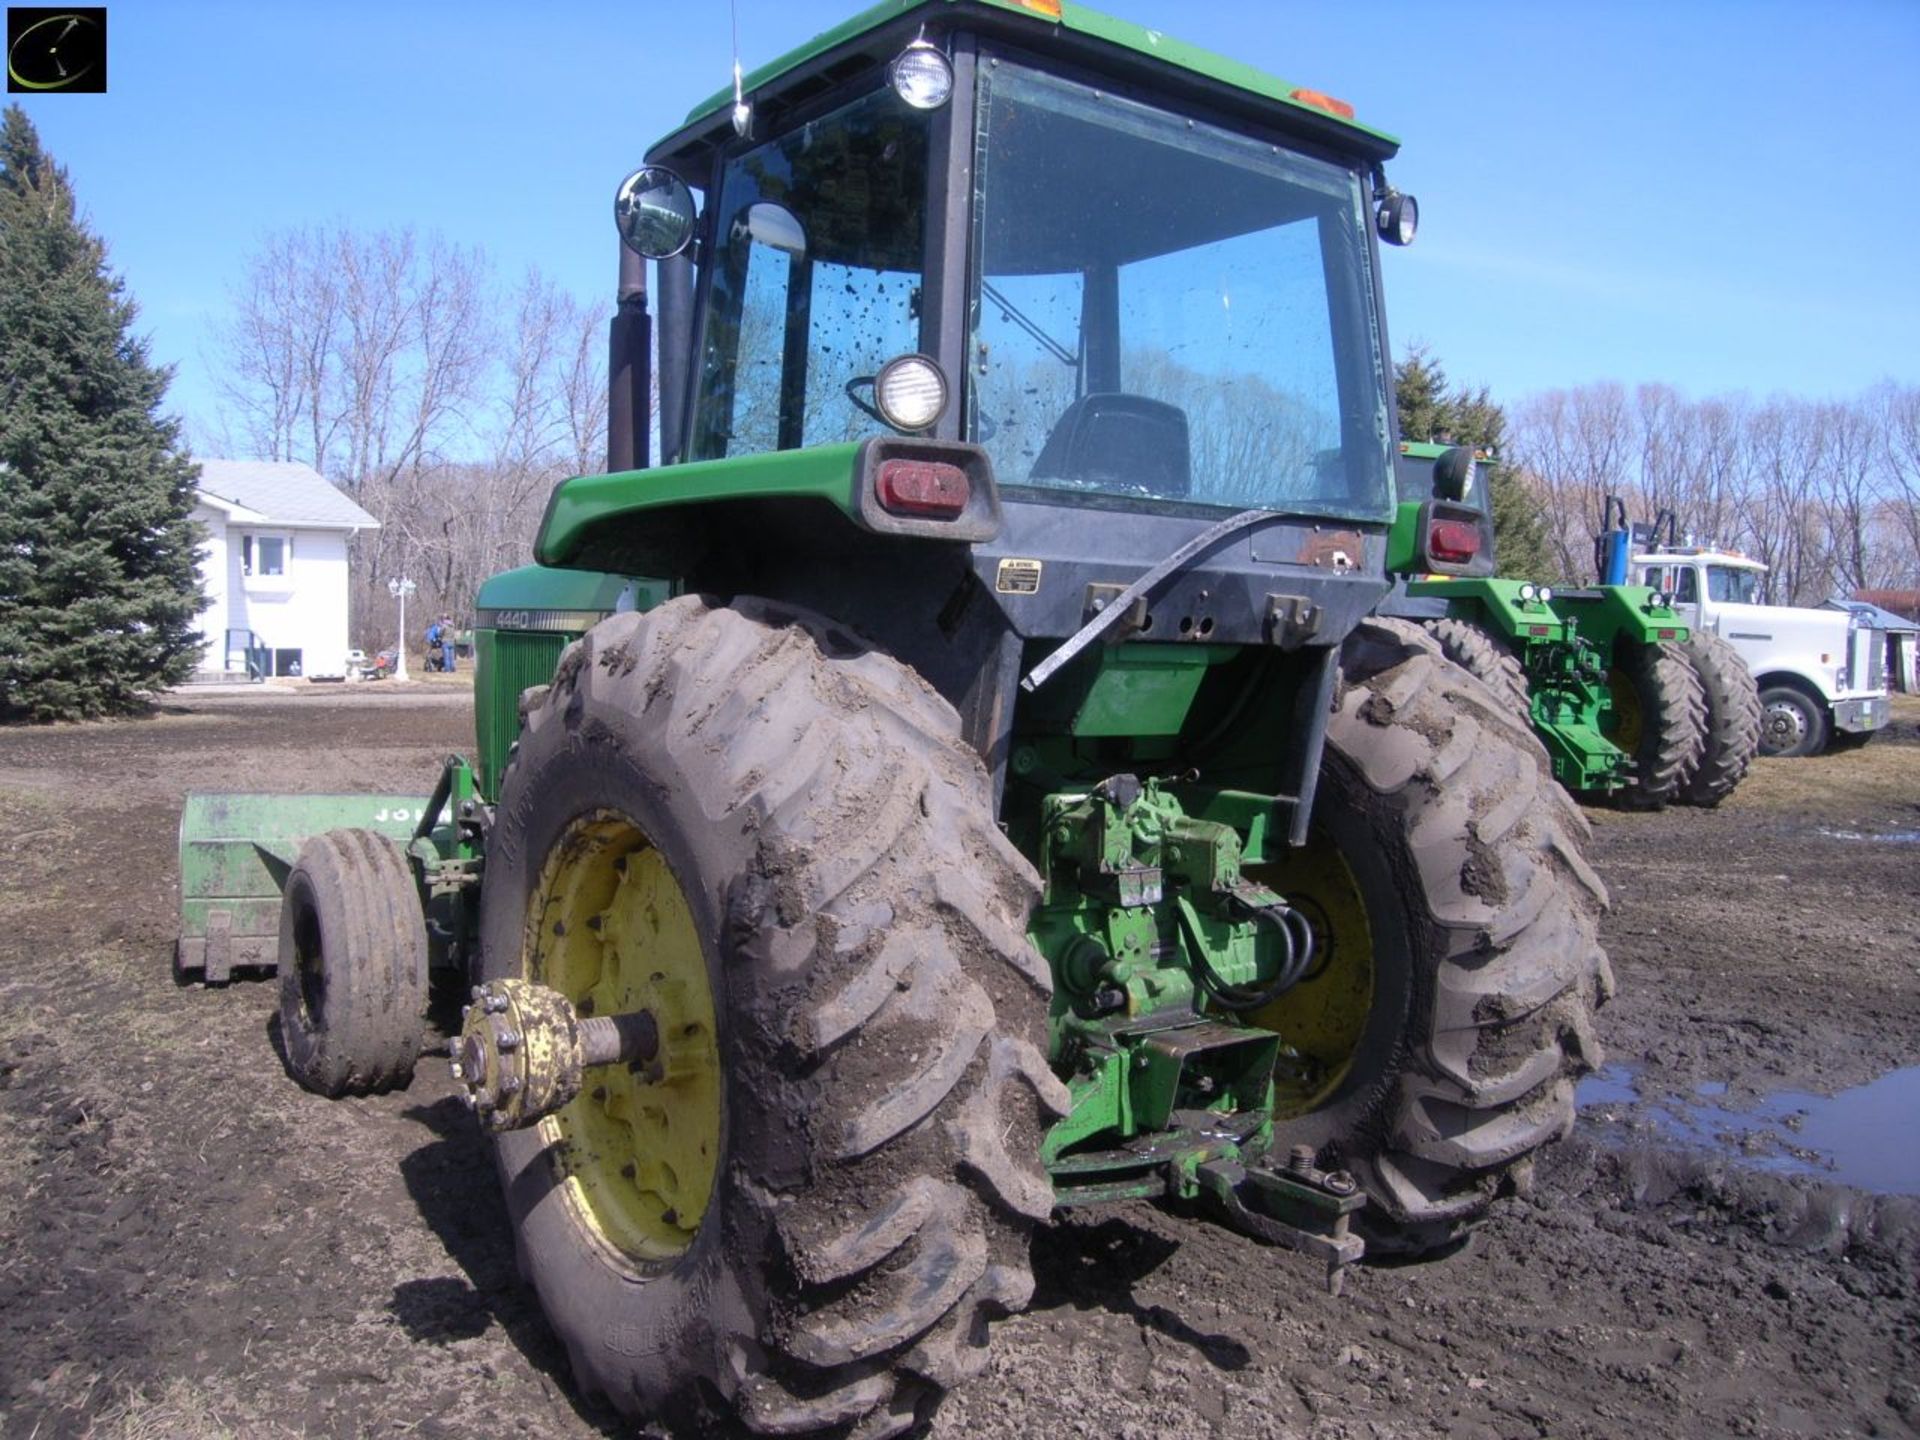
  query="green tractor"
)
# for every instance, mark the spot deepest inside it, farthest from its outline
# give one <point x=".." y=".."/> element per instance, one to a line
<point x="1633" y="706"/>
<point x="966" y="779"/>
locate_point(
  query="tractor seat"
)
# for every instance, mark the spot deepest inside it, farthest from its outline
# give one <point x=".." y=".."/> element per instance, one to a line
<point x="1120" y="441"/>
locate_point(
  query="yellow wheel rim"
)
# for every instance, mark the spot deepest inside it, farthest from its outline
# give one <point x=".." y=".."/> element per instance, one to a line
<point x="1324" y="1016"/>
<point x="1626" y="711"/>
<point x="610" y="929"/>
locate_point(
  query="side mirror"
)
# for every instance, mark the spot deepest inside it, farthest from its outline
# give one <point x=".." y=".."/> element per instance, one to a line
<point x="654" y="210"/>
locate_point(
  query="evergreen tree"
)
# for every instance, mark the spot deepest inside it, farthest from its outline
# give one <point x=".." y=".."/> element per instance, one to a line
<point x="1431" y="410"/>
<point x="98" y="582"/>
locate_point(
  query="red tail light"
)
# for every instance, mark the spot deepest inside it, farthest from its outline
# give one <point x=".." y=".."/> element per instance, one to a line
<point x="1453" y="542"/>
<point x="923" y="487"/>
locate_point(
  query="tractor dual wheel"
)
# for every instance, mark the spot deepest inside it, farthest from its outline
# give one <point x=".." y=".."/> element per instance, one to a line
<point x="353" y="964"/>
<point x="1451" y="1014"/>
<point x="799" y="1213"/>
<point x="1659" y="719"/>
<point x="1793" y="723"/>
<point x="1733" y="718"/>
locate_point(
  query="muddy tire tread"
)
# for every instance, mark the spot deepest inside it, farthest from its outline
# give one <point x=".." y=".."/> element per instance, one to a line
<point x="1673" y="721"/>
<point x="359" y="887"/>
<point x="911" y="1007"/>
<point x="1502" y="1024"/>
<point x="1732" y="731"/>
<point x="1479" y="652"/>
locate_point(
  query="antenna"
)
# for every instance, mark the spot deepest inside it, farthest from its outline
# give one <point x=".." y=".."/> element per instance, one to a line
<point x="742" y="112"/>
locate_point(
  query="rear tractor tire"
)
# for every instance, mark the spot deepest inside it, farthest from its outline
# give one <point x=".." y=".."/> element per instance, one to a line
<point x="353" y="965"/>
<point x="1450" y="1015"/>
<point x="1479" y="652"/>
<point x="1732" y="722"/>
<point x="1659" y="719"/>
<point x="799" y="1217"/>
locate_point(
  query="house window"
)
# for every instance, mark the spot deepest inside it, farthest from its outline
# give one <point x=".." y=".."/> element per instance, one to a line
<point x="265" y="554"/>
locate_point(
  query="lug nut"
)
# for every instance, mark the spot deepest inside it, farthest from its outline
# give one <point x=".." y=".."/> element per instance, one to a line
<point x="507" y="1040"/>
<point x="1300" y="1159"/>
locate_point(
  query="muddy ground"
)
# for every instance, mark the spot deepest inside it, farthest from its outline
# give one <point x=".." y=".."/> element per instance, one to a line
<point x="192" y="1246"/>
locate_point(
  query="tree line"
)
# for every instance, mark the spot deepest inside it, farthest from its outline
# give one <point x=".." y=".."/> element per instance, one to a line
<point x="445" y="402"/>
<point x="1825" y="492"/>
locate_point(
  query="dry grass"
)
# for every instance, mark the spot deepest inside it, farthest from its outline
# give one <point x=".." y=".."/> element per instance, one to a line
<point x="182" y="1410"/>
<point x="1880" y="773"/>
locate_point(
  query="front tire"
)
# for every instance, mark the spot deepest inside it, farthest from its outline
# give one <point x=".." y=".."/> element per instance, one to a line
<point x="353" y="965"/>
<point x="1459" y="923"/>
<point x="879" y="1088"/>
<point x="1793" y="724"/>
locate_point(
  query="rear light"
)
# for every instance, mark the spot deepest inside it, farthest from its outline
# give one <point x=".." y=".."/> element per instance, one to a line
<point x="1048" y="8"/>
<point x="1453" y="542"/>
<point x="1539" y="630"/>
<point x="1669" y="634"/>
<point x="922" y="487"/>
<point x="1320" y="100"/>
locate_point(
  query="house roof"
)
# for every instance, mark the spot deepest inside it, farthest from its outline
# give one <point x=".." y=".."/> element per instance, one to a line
<point x="282" y="492"/>
<point x="1875" y="616"/>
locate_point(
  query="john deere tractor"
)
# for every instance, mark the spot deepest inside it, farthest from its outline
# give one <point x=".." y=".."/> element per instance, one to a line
<point x="1632" y="704"/>
<point x="965" y="779"/>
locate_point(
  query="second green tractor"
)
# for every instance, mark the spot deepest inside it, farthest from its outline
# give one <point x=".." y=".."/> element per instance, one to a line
<point x="1633" y="706"/>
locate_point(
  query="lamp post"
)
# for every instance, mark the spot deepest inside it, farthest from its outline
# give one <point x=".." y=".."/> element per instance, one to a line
<point x="400" y="589"/>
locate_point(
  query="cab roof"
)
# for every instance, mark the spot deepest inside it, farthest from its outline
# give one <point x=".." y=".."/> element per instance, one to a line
<point x="1101" y="42"/>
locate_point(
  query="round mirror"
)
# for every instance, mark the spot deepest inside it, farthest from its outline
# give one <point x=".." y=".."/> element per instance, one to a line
<point x="654" y="210"/>
<point x="1453" y="473"/>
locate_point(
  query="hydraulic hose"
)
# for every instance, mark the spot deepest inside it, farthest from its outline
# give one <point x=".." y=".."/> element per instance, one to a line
<point x="1296" y="941"/>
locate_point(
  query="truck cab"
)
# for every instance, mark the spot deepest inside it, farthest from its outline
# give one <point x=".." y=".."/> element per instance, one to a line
<point x="1819" y="672"/>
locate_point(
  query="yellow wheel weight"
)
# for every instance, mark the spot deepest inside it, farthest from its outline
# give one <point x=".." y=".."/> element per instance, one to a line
<point x="610" y="929"/>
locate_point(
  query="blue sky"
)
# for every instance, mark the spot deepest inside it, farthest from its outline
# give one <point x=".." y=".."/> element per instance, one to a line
<point x="1720" y="196"/>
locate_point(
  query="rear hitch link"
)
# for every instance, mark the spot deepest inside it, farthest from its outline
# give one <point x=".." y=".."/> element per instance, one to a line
<point x="1301" y="1207"/>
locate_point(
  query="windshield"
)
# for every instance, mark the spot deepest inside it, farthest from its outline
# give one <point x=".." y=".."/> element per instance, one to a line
<point x="815" y="280"/>
<point x="1169" y="312"/>
<point x="1732" y="586"/>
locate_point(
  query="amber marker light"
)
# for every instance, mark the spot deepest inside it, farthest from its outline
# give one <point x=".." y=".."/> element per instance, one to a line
<point x="1318" y="99"/>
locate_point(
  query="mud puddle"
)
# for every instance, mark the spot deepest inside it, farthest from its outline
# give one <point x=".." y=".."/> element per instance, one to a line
<point x="1861" y="1137"/>
<point x="1887" y="837"/>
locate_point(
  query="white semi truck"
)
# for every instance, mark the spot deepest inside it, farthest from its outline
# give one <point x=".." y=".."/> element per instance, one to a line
<point x="1821" y="673"/>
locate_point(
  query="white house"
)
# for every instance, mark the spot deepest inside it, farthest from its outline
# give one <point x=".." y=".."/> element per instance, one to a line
<point x="274" y="567"/>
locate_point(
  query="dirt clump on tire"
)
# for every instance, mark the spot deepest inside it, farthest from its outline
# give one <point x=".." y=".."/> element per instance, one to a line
<point x="1732" y="729"/>
<point x="881" y="1018"/>
<point x="352" y="965"/>
<point x="1484" y="919"/>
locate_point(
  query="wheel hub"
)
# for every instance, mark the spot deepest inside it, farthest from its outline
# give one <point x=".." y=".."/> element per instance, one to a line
<point x="523" y="1050"/>
<point x="1786" y="726"/>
